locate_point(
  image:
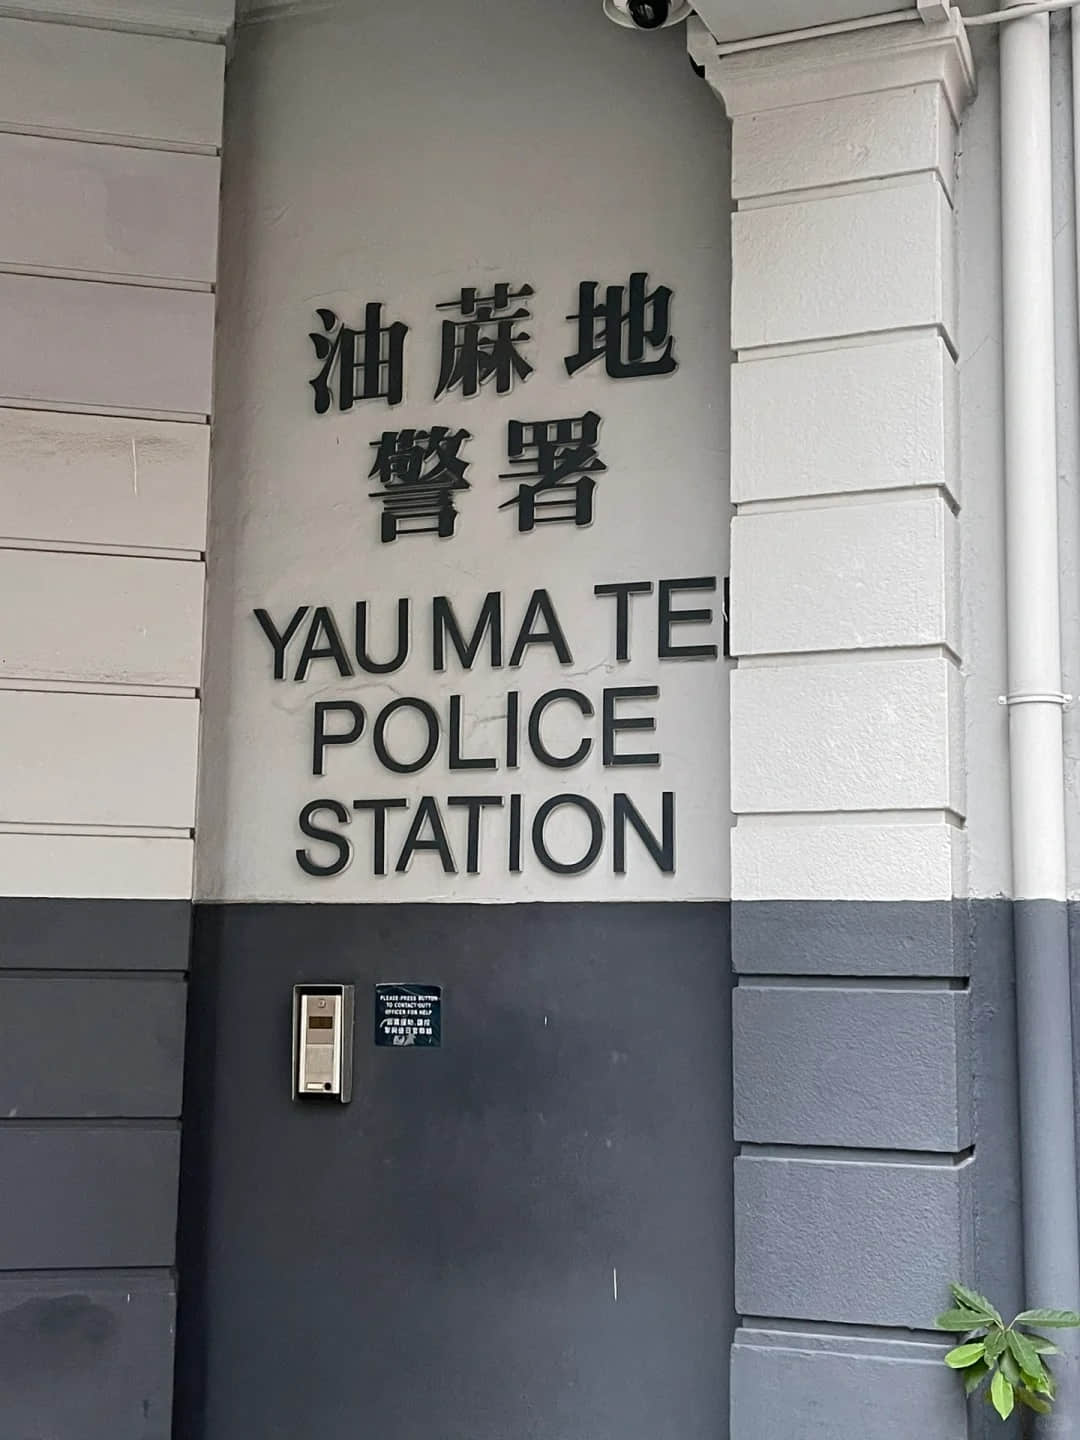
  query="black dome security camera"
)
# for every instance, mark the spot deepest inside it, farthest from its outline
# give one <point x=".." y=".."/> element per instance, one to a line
<point x="649" y="14"/>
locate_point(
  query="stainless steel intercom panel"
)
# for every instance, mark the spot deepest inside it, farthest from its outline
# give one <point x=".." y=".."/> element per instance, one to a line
<point x="322" y="1042"/>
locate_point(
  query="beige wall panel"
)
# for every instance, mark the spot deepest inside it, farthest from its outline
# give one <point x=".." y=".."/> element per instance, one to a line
<point x="899" y="132"/>
<point x="845" y="577"/>
<point x="858" y="736"/>
<point x="835" y="860"/>
<point x="108" y="209"/>
<point x="129" y="347"/>
<point x="893" y="245"/>
<point x="858" y="417"/>
<point x="100" y="618"/>
<point x="98" y="480"/>
<point x="100" y="82"/>
<point x="97" y="760"/>
<point x="105" y="867"/>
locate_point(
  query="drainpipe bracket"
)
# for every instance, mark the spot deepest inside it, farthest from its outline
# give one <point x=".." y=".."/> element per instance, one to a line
<point x="1036" y="697"/>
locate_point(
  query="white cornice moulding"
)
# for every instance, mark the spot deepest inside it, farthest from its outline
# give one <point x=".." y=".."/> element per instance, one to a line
<point x="858" y="62"/>
<point x="745" y="19"/>
<point x="189" y="19"/>
<point x="251" y="12"/>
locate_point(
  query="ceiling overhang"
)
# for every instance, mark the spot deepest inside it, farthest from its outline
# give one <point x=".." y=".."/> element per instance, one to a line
<point x="197" y="19"/>
<point x="729" y="21"/>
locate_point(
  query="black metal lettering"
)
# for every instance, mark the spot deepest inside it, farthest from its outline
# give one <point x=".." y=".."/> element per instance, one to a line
<point x="427" y="813"/>
<point x="367" y="364"/>
<point x="614" y="725"/>
<point x="457" y="760"/>
<point x="623" y="328"/>
<point x="480" y="343"/>
<point x="379" y="810"/>
<point x="323" y="624"/>
<point x="363" y="659"/>
<point x="420" y="472"/>
<point x="515" y="835"/>
<point x="513" y="729"/>
<point x="430" y="718"/>
<point x="324" y="739"/>
<point x="536" y="740"/>
<point x="596" y="827"/>
<point x="540" y="607"/>
<point x="280" y="640"/>
<point x="329" y="837"/>
<point x="556" y="464"/>
<point x="622" y="594"/>
<point x="669" y="618"/>
<point x="444" y="623"/>
<point x="662" y="850"/>
<point x="476" y="805"/>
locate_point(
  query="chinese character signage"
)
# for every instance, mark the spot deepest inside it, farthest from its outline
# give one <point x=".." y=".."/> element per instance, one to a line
<point x="555" y="461"/>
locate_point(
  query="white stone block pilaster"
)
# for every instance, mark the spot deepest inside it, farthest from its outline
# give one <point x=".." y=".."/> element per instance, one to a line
<point x="848" y="766"/>
<point x="111" y="117"/>
<point x="845" y="471"/>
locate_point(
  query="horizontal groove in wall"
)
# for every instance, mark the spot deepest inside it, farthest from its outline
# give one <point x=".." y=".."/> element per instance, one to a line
<point x="91" y="547"/>
<point x="136" y="832"/>
<point x="118" y="412"/>
<point x="817" y="817"/>
<point x="150" y="1278"/>
<point x="890" y="983"/>
<point x="830" y="1329"/>
<point x="106" y="277"/>
<point x="32" y="686"/>
<point x="852" y="818"/>
<point x="145" y="976"/>
<point x="789" y="659"/>
<point x="865" y="185"/>
<point x="160" y="1125"/>
<point x="97" y="137"/>
<point x="97" y="687"/>
<point x="849" y="341"/>
<point x="843" y="500"/>
<point x="829" y="1155"/>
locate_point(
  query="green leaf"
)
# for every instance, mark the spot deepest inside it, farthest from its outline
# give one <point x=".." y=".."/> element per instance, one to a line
<point x="1010" y="1369"/>
<point x="1034" y="1402"/>
<point x="1055" y="1319"/>
<point x="1002" y="1396"/>
<point x="965" y="1355"/>
<point x="1041" y="1384"/>
<point x="975" y="1375"/>
<point x="978" y="1304"/>
<point x="959" y="1320"/>
<point x="1026" y="1356"/>
<point x="995" y="1344"/>
<point x="1042" y="1346"/>
<point x="1049" y="1387"/>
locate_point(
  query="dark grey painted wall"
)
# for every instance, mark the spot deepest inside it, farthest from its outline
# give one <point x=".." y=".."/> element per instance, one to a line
<point x="875" y="1106"/>
<point x="439" y="1257"/>
<point x="92" y="1001"/>
<point x="441" y="1252"/>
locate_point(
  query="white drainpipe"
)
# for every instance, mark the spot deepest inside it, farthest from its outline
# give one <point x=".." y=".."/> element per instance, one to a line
<point x="1036" y="703"/>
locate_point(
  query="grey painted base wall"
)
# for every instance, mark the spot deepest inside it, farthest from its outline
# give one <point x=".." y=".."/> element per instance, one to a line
<point x="875" y="1106"/>
<point x="527" y="1231"/>
<point x="92" y="1007"/>
<point x="442" y="1256"/>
